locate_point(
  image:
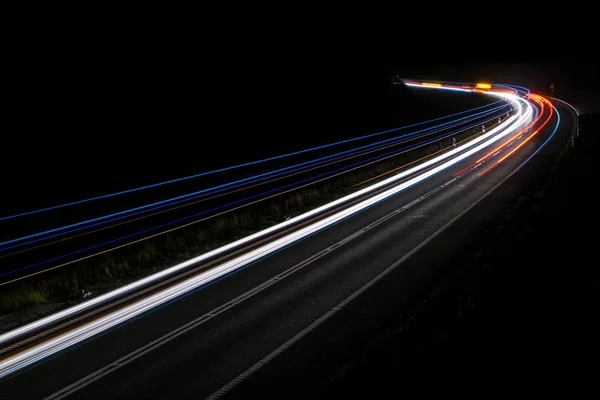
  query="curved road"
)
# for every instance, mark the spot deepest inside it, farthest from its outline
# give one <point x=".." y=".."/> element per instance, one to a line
<point x="280" y="327"/>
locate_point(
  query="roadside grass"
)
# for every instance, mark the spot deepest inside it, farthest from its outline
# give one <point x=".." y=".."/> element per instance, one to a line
<point x="109" y="271"/>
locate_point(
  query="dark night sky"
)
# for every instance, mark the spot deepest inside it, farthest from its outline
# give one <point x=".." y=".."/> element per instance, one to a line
<point x="108" y="103"/>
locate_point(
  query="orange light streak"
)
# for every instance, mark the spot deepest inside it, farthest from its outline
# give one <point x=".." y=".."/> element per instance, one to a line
<point x="540" y="100"/>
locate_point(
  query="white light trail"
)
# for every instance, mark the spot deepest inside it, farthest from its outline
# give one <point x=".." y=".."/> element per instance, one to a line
<point x="89" y="329"/>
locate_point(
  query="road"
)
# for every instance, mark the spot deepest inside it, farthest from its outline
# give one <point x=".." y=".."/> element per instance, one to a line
<point x="40" y="239"/>
<point x="301" y="312"/>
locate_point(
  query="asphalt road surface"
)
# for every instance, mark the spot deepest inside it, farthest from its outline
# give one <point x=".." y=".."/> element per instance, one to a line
<point x="287" y="337"/>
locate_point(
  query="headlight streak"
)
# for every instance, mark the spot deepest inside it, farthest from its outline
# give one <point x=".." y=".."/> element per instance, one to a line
<point x="495" y="150"/>
<point x="306" y="166"/>
<point x="514" y="137"/>
<point x="213" y="196"/>
<point x="62" y="341"/>
<point x="412" y="162"/>
<point x="235" y="166"/>
<point x="541" y="101"/>
<point x="208" y="191"/>
<point x="257" y="197"/>
<point x="150" y="236"/>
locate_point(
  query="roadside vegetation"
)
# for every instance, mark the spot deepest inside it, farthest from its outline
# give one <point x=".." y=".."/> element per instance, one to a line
<point x="106" y="272"/>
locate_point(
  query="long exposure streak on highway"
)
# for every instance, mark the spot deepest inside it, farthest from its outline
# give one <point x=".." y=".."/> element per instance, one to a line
<point x="530" y="113"/>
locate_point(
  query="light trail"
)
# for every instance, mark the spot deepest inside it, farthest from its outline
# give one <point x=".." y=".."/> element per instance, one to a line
<point x="234" y="189"/>
<point x="255" y="198"/>
<point x="233" y="167"/>
<point x="495" y="150"/>
<point x="267" y="176"/>
<point x="57" y="344"/>
<point x="541" y="100"/>
<point x="160" y="233"/>
<point x="516" y="136"/>
<point x="412" y="162"/>
<point x="207" y="191"/>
